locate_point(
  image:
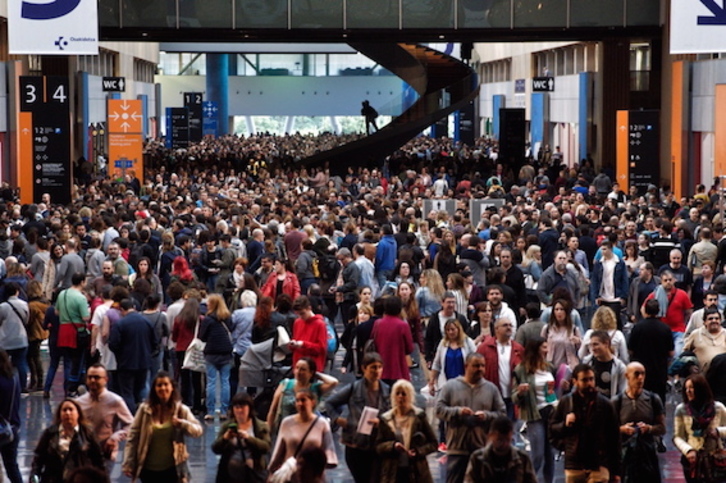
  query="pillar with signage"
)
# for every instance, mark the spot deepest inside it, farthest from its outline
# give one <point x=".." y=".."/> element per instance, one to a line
<point x="193" y="101"/>
<point x="638" y="149"/>
<point x="177" y="127"/>
<point x="125" y="137"/>
<point x="44" y="161"/>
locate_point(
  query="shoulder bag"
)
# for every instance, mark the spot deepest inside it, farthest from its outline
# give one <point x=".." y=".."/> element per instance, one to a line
<point x="194" y="355"/>
<point x="285" y="472"/>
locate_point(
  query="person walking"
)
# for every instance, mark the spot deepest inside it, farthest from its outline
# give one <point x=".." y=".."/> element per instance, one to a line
<point x="155" y="450"/>
<point x="533" y="391"/>
<point x="586" y="425"/>
<point x="404" y="439"/>
<point x="10" y="410"/>
<point x="133" y="341"/>
<point x="642" y="419"/>
<point x="366" y="392"/>
<point x="467" y="404"/>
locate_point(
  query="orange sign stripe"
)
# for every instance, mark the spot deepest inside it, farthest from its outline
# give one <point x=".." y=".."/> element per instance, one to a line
<point x="622" y="150"/>
<point x="25" y="156"/>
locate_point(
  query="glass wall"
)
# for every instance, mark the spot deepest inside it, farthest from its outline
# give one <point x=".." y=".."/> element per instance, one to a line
<point x="377" y="14"/>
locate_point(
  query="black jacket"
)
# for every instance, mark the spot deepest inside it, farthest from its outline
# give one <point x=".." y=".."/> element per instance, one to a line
<point x="594" y="439"/>
<point x="51" y="467"/>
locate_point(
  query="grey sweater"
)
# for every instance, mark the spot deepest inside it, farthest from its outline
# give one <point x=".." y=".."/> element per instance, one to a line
<point x="465" y="434"/>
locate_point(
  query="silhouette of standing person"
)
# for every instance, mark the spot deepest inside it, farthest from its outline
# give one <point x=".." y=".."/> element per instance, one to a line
<point x="370" y="115"/>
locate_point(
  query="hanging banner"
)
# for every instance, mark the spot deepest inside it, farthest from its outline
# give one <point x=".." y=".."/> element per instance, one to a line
<point x="125" y="139"/>
<point x="61" y="27"/>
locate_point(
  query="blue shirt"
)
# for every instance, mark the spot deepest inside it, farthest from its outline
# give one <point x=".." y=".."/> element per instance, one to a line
<point x="454" y="364"/>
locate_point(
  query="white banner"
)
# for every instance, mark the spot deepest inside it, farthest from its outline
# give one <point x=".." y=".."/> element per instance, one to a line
<point x="698" y="26"/>
<point x="59" y="27"/>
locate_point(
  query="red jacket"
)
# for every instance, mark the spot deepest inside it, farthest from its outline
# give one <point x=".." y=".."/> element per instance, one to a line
<point x="314" y="335"/>
<point x="290" y="286"/>
<point x="488" y="348"/>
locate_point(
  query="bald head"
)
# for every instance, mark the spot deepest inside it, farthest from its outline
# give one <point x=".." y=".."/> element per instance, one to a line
<point x="635" y="376"/>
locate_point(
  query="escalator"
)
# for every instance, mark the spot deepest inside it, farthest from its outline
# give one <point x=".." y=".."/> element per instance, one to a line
<point x="444" y="85"/>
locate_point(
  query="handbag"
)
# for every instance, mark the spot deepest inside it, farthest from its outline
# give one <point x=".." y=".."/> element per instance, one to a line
<point x="7" y="435"/>
<point x="194" y="355"/>
<point x="285" y="472"/>
<point x="180" y="453"/>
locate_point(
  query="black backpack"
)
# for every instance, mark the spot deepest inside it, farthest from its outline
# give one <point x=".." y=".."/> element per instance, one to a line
<point x="328" y="267"/>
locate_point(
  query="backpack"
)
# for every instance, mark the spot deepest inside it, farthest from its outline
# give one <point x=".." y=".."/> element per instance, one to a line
<point x="333" y="340"/>
<point x="327" y="267"/>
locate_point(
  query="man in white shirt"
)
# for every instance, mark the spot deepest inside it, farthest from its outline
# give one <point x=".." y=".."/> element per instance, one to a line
<point x="609" y="285"/>
<point x="710" y="299"/>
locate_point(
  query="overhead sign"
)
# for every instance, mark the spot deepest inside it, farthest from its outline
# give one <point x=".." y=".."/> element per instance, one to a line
<point x="177" y="127"/>
<point x="193" y="102"/>
<point x="45" y="145"/>
<point x="448" y="206"/>
<point x="114" y="84"/>
<point x="125" y="123"/>
<point x="60" y="27"/>
<point x="209" y="118"/>
<point x="543" y="84"/>
<point x="479" y="206"/>
<point x="698" y="26"/>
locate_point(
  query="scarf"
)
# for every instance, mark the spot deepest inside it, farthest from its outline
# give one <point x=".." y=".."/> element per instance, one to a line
<point x="702" y="417"/>
<point x="662" y="297"/>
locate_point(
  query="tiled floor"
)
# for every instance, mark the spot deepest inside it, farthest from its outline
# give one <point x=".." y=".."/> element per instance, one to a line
<point x="37" y="414"/>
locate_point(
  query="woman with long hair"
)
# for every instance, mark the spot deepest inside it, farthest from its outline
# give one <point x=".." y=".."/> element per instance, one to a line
<point x="182" y="273"/>
<point x="604" y="319"/>
<point x="243" y="443"/>
<point x="145" y="271"/>
<point x="445" y="261"/>
<point x="216" y="332"/>
<point x="10" y="410"/>
<point x="532" y="265"/>
<point x="37" y="306"/>
<point x="65" y="445"/>
<point x="411" y="315"/>
<point x="283" y="280"/>
<point x="448" y="363"/>
<point x="562" y="336"/>
<point x="56" y="253"/>
<point x="700" y="423"/>
<point x="455" y="283"/>
<point x="305" y="378"/>
<point x="405" y="438"/>
<point x="184" y="329"/>
<point x="303" y="430"/>
<point x="533" y="391"/>
<point x="633" y="260"/>
<point x="430" y="294"/>
<point x="263" y="329"/>
<point x="155" y="449"/>
<point x="404" y="273"/>
<point x="482" y="324"/>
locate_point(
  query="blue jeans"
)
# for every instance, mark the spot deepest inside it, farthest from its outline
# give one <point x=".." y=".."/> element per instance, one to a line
<point x="132" y="384"/>
<point x="212" y="370"/>
<point x="19" y="358"/>
<point x="382" y="276"/>
<point x="540" y="449"/>
<point x="677" y="342"/>
<point x="55" y="358"/>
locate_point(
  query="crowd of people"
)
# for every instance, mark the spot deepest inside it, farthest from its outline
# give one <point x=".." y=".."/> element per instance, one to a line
<point x="570" y="306"/>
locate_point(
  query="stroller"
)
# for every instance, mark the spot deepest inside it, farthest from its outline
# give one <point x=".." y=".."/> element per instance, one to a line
<point x="263" y="366"/>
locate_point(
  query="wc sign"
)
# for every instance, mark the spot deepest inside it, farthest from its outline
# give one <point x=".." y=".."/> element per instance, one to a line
<point x="59" y="27"/>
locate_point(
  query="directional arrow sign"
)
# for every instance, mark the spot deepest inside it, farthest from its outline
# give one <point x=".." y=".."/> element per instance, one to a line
<point x="698" y="26"/>
<point x="718" y="17"/>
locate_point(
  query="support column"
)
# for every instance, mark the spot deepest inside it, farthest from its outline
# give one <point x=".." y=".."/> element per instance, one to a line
<point x="584" y="120"/>
<point x="615" y="94"/>
<point x="218" y="88"/>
